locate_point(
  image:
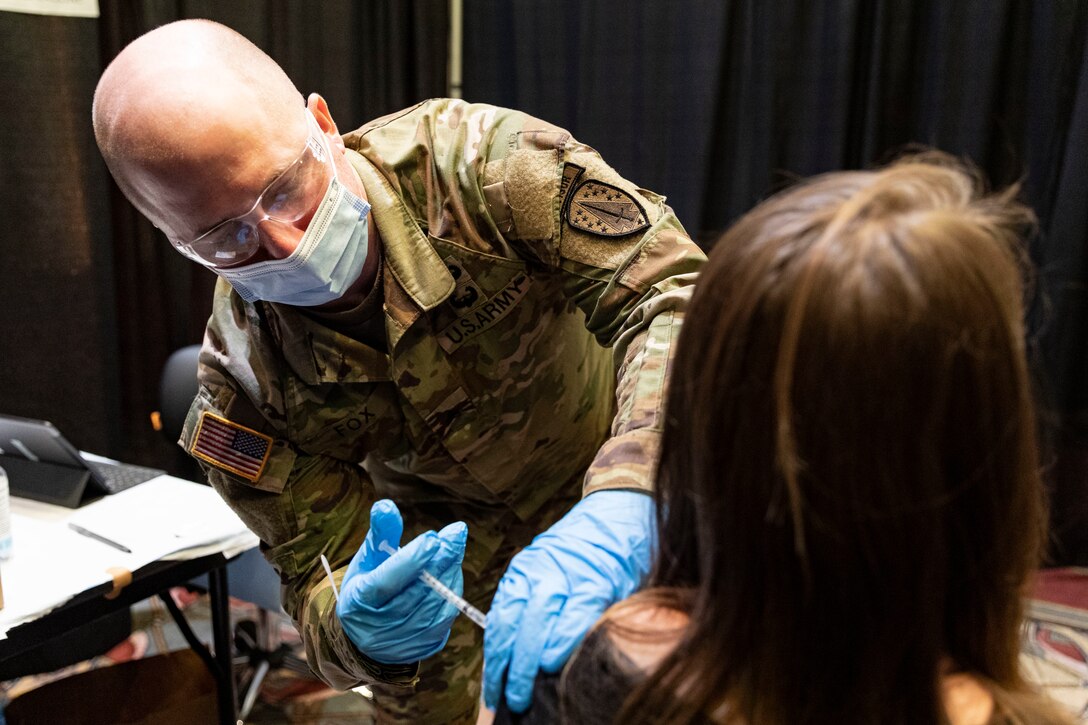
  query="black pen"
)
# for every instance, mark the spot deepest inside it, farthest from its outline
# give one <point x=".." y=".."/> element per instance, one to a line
<point x="98" y="537"/>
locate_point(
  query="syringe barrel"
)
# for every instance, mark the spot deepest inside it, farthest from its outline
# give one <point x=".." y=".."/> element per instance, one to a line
<point x="445" y="592"/>
<point x="451" y="596"/>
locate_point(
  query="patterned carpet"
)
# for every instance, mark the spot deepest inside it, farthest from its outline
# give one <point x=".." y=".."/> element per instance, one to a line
<point x="285" y="696"/>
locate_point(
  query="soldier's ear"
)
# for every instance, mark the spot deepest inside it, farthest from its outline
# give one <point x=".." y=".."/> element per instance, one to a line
<point x="317" y="106"/>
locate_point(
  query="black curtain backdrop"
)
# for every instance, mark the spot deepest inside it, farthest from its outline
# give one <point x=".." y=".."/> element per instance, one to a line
<point x="717" y="104"/>
<point x="58" y="327"/>
<point x="714" y="103"/>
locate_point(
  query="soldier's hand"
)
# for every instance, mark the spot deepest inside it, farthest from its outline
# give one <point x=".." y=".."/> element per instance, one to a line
<point x="385" y="610"/>
<point x="558" y="586"/>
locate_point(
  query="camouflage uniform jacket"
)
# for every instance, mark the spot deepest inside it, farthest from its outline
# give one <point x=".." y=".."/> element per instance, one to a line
<point x="531" y="301"/>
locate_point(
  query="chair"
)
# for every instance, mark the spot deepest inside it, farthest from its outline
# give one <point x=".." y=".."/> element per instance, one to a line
<point x="177" y="388"/>
<point x="250" y="577"/>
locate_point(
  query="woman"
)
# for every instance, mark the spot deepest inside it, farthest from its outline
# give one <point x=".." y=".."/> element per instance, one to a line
<point x="849" y="498"/>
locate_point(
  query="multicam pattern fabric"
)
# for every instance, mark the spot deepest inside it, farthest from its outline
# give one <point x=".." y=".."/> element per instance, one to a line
<point x="525" y="365"/>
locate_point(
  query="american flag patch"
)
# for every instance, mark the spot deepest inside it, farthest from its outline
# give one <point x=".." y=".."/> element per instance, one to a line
<point x="230" y="446"/>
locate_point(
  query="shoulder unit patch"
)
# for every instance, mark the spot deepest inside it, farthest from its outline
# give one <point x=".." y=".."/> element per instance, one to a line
<point x="602" y="209"/>
<point x="232" y="447"/>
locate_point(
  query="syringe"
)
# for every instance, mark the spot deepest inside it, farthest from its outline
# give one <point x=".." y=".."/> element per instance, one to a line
<point x="445" y="592"/>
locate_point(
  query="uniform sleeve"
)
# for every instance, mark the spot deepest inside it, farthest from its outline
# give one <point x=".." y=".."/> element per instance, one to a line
<point x="624" y="258"/>
<point x="300" y="505"/>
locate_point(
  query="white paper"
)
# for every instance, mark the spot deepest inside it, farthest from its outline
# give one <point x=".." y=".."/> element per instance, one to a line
<point x="68" y="8"/>
<point x="164" y="518"/>
<point x="160" y="516"/>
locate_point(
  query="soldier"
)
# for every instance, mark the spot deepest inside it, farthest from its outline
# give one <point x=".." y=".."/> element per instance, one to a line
<point x="456" y="307"/>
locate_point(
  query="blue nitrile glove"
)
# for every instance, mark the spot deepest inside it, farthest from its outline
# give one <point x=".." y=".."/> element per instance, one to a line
<point x="559" y="585"/>
<point x="385" y="610"/>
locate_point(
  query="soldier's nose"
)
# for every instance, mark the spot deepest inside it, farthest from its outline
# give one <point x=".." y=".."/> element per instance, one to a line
<point x="279" y="240"/>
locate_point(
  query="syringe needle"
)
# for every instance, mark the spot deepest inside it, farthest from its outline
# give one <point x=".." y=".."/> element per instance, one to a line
<point x="445" y="592"/>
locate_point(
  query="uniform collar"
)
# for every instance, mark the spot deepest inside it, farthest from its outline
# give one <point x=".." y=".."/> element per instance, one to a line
<point x="411" y="259"/>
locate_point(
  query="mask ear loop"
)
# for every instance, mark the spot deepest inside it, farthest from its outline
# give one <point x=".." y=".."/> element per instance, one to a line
<point x="323" y="155"/>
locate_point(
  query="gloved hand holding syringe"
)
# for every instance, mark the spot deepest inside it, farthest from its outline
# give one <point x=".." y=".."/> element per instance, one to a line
<point x="381" y="611"/>
<point x="427" y="578"/>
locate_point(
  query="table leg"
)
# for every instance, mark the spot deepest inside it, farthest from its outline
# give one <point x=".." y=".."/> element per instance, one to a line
<point x="219" y="595"/>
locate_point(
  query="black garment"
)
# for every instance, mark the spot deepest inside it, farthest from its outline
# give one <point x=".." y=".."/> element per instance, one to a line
<point x="591" y="690"/>
<point x="364" y="322"/>
<point x="544" y="709"/>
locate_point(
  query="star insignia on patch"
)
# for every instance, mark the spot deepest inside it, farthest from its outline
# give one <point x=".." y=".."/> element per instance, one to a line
<point x="232" y="447"/>
<point x="604" y="210"/>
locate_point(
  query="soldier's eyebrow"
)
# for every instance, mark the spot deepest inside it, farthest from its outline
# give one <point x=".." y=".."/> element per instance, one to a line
<point x="275" y="175"/>
<point x="259" y="196"/>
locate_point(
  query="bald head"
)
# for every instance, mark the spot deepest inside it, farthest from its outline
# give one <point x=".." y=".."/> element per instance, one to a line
<point x="185" y="105"/>
<point x="168" y="85"/>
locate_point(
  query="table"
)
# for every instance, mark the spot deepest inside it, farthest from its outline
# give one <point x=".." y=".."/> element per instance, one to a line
<point x="152" y="580"/>
<point x="174" y="530"/>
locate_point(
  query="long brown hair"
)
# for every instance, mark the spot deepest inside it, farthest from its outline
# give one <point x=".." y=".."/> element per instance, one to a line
<point x="849" y="478"/>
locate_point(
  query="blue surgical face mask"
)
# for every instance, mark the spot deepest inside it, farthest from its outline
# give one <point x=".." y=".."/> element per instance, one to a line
<point x="327" y="261"/>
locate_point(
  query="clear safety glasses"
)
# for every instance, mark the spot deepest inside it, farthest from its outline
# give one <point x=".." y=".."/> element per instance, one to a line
<point x="289" y="197"/>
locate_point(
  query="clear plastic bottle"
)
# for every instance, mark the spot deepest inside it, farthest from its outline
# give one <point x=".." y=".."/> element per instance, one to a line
<point x="5" y="516"/>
